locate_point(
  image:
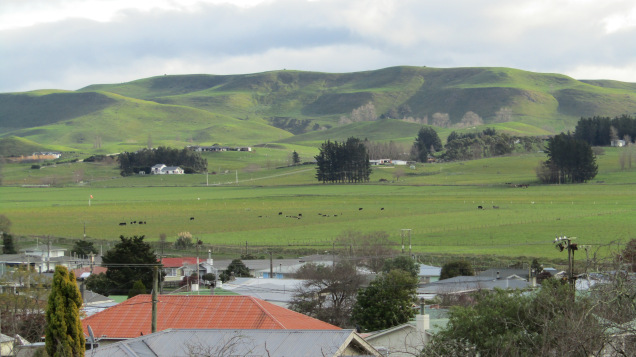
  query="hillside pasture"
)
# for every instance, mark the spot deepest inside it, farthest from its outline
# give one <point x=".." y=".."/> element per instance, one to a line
<point x="442" y="218"/>
<point x="284" y="207"/>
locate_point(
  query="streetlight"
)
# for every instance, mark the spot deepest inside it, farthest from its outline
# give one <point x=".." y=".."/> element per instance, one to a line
<point x="562" y="243"/>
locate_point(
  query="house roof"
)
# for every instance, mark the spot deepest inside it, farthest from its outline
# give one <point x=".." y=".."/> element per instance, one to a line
<point x="42" y="248"/>
<point x="505" y="273"/>
<point x="91" y="297"/>
<point x="133" y="317"/>
<point x="277" y="291"/>
<point x="189" y="342"/>
<point x="179" y="262"/>
<point x="462" y="284"/>
<point x="428" y="270"/>
<point x="20" y="340"/>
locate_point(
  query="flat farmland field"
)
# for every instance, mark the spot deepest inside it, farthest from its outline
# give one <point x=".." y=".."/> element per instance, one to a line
<point x="442" y="218"/>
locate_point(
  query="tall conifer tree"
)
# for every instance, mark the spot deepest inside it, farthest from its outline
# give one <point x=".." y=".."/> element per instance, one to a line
<point x="64" y="335"/>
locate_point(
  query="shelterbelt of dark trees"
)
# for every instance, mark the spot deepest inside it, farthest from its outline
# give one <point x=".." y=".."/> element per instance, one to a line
<point x="600" y="131"/>
<point x="135" y="162"/>
<point x="343" y="162"/>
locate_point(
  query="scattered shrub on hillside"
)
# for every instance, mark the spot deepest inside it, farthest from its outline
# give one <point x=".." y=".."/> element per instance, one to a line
<point x="95" y="158"/>
<point x="293" y="125"/>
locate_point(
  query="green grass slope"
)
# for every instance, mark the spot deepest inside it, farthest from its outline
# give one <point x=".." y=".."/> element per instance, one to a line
<point x="129" y="124"/>
<point x="539" y="99"/>
<point x="16" y="146"/>
<point x="241" y="109"/>
<point x="26" y="110"/>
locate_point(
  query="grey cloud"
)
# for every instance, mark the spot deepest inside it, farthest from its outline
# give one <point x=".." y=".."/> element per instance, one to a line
<point x="353" y="34"/>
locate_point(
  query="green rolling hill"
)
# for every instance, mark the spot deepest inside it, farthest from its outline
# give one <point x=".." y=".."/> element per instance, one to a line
<point x="303" y="108"/>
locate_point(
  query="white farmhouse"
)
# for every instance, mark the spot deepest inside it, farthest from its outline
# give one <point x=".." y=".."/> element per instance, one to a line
<point x="161" y="169"/>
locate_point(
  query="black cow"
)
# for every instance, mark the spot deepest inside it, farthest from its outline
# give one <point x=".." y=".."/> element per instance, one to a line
<point x="480" y="207"/>
<point x="122" y="223"/>
<point x="192" y="218"/>
<point x="360" y="209"/>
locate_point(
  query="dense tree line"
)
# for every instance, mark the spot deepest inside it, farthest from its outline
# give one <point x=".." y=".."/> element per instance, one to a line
<point x="470" y="146"/>
<point x="134" y="162"/>
<point x="343" y="162"/>
<point x="570" y="160"/>
<point x="600" y="131"/>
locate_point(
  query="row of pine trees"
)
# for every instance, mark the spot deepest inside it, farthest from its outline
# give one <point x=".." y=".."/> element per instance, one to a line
<point x="346" y="162"/>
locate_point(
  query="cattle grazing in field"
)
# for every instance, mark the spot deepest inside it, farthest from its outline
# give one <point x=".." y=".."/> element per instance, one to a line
<point x="122" y="223"/>
<point x="280" y="213"/>
<point x="360" y="209"/>
<point x="480" y="207"/>
<point x="192" y="218"/>
<point x="382" y="209"/>
<point x="495" y="207"/>
<point x="300" y="215"/>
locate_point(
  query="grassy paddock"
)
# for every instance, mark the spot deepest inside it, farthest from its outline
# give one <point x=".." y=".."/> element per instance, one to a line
<point x="438" y="202"/>
<point x="443" y="219"/>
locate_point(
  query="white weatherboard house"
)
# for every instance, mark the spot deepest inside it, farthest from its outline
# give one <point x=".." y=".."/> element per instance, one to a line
<point x="161" y="169"/>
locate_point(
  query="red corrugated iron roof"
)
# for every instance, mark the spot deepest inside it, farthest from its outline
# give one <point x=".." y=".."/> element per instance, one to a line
<point x="179" y="262"/>
<point x="133" y="317"/>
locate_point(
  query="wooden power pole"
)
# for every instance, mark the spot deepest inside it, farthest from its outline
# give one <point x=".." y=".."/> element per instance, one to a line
<point x="155" y="286"/>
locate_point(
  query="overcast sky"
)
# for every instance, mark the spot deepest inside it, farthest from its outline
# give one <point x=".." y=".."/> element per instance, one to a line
<point x="69" y="44"/>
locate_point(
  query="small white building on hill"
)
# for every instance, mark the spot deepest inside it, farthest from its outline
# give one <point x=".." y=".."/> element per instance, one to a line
<point x="161" y="169"/>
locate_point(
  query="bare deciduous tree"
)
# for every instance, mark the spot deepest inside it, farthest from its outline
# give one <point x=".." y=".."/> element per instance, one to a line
<point x="328" y="293"/>
<point x="390" y="150"/>
<point x="503" y="115"/>
<point x="364" y="113"/>
<point x="366" y="249"/>
<point x="441" y="119"/>
<point x="470" y="119"/>
<point x="23" y="312"/>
